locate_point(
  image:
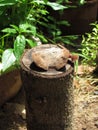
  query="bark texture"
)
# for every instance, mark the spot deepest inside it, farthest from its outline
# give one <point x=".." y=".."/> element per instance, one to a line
<point x="49" y="98"/>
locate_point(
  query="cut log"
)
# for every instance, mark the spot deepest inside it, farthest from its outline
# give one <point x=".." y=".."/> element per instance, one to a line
<point x="49" y="94"/>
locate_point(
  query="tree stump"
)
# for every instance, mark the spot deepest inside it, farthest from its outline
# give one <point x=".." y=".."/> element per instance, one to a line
<point x="49" y="94"/>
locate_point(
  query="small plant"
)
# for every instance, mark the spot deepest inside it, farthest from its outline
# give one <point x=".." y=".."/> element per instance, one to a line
<point x="90" y="46"/>
<point x="20" y="32"/>
<point x="20" y="36"/>
<point x="52" y="27"/>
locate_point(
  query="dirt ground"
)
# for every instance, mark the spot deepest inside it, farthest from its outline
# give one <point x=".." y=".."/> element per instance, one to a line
<point x="85" y="100"/>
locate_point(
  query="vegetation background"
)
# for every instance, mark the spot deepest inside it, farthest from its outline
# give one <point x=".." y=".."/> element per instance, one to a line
<point x="23" y="24"/>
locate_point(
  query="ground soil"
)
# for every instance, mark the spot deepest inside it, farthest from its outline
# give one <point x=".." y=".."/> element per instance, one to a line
<point x="85" y="102"/>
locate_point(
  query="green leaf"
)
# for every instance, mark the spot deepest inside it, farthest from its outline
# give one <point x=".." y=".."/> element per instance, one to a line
<point x="9" y="30"/>
<point x="15" y="27"/>
<point x="7" y="2"/>
<point x="45" y="1"/>
<point x="27" y="28"/>
<point x="31" y="43"/>
<point x="82" y="1"/>
<point x="19" y="46"/>
<point x="8" y="59"/>
<point x="2" y="9"/>
<point x="42" y="38"/>
<point x="39" y="1"/>
<point x="64" y="22"/>
<point x="24" y="26"/>
<point x="33" y="30"/>
<point x="56" y="6"/>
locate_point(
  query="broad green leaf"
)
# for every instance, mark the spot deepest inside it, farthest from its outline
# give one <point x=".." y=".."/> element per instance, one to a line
<point x="33" y="30"/>
<point x="39" y="1"/>
<point x="9" y="30"/>
<point x="7" y="2"/>
<point x="15" y="27"/>
<point x="19" y="46"/>
<point x="56" y="6"/>
<point x="31" y="43"/>
<point x="42" y="38"/>
<point x="8" y="59"/>
<point x="24" y="26"/>
<point x="27" y="28"/>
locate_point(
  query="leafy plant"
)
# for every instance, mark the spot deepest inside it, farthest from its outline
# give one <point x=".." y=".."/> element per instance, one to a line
<point x="11" y="56"/>
<point x="22" y="22"/>
<point x="90" y="46"/>
<point x="23" y="16"/>
<point x="51" y="27"/>
<point x="19" y="35"/>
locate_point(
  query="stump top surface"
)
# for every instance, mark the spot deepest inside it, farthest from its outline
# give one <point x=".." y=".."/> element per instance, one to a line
<point x="27" y="62"/>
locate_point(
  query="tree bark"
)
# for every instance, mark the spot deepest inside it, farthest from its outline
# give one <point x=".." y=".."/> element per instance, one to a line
<point x="49" y="97"/>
